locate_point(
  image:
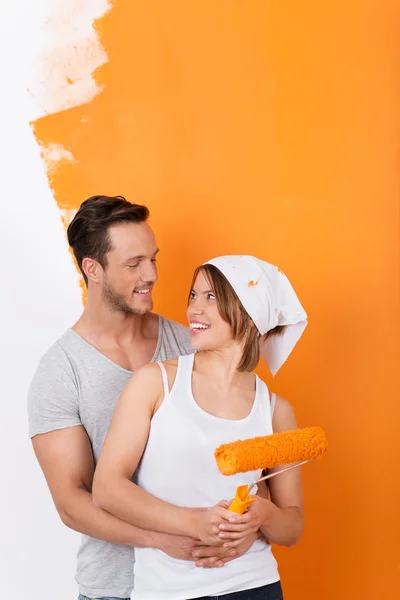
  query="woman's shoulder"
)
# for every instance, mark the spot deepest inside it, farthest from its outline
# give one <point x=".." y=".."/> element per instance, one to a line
<point x="147" y="377"/>
<point x="284" y="417"/>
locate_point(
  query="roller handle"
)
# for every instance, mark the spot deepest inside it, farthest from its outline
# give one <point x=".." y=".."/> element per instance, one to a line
<point x="242" y="500"/>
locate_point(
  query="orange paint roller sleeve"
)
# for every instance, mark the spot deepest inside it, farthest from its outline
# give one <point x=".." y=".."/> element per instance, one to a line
<point x="272" y="450"/>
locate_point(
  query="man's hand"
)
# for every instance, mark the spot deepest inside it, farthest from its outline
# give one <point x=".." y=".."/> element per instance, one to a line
<point x="187" y="548"/>
<point x="206" y="556"/>
<point x="176" y="546"/>
<point x="217" y="556"/>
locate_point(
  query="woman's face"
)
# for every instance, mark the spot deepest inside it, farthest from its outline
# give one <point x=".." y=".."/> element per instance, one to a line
<point x="208" y="330"/>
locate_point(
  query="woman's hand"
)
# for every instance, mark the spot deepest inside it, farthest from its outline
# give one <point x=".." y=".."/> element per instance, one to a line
<point x="209" y="523"/>
<point x="239" y="527"/>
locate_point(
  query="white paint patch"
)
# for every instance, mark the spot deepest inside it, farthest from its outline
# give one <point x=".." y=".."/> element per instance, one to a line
<point x="40" y="294"/>
<point x="48" y="43"/>
<point x="68" y="214"/>
<point x="63" y="77"/>
<point x="53" y="154"/>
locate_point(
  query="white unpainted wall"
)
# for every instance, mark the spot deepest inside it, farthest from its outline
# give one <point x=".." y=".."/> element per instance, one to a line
<point x="39" y="293"/>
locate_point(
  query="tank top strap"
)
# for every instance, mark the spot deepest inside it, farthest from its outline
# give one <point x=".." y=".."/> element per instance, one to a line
<point x="164" y="378"/>
<point x="273" y="402"/>
<point x="184" y="371"/>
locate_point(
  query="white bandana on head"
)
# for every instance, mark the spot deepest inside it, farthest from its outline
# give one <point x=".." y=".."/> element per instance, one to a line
<point x="269" y="299"/>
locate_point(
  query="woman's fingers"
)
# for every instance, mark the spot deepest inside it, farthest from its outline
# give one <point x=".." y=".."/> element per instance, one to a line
<point x="239" y="531"/>
<point x="239" y="523"/>
<point x="232" y="544"/>
<point x="232" y="527"/>
<point x="230" y="535"/>
<point x="214" y="520"/>
<point x="228" y="515"/>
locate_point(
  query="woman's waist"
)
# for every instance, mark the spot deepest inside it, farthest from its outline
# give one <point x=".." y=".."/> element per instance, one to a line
<point x="154" y="570"/>
<point x="259" y="546"/>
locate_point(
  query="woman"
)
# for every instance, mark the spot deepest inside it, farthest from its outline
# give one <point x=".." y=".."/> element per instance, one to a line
<point x="172" y="416"/>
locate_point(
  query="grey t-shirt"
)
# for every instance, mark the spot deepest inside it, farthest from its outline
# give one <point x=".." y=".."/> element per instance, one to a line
<point x="77" y="385"/>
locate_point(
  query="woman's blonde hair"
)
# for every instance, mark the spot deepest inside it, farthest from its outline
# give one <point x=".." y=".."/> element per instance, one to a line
<point x="232" y="311"/>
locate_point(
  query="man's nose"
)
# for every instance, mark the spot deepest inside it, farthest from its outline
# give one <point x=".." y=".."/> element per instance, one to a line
<point x="149" y="273"/>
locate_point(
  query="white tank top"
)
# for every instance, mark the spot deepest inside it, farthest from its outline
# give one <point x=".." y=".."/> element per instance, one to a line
<point x="178" y="466"/>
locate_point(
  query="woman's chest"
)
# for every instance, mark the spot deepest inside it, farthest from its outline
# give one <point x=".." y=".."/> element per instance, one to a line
<point x="235" y="404"/>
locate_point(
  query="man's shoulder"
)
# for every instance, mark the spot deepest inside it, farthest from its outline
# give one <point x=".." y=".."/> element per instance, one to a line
<point x="52" y="399"/>
<point x="177" y="329"/>
<point x="57" y="360"/>
<point x="58" y="351"/>
<point x="176" y="326"/>
<point x="175" y="339"/>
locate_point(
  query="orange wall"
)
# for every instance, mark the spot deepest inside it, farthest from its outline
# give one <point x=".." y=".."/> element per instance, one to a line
<point x="272" y="128"/>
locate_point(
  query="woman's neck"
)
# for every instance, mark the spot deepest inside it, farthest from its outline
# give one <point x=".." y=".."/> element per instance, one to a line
<point x="221" y="365"/>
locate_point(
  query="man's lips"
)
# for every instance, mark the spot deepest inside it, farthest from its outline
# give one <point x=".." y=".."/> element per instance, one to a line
<point x="143" y="291"/>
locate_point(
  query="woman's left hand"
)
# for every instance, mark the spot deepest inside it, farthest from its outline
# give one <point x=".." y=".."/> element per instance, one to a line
<point x="240" y="526"/>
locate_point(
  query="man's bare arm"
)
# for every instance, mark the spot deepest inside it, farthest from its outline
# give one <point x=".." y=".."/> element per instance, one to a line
<point x="66" y="459"/>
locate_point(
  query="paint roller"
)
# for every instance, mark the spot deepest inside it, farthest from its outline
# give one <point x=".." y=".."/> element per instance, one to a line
<point x="298" y="446"/>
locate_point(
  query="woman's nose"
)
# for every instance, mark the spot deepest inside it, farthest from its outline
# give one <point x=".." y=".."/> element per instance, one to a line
<point x="196" y="306"/>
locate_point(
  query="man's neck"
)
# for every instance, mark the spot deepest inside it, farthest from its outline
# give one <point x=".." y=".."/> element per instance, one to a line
<point x="128" y="340"/>
<point x="101" y="325"/>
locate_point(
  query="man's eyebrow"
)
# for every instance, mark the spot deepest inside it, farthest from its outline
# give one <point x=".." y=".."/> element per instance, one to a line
<point x="140" y="256"/>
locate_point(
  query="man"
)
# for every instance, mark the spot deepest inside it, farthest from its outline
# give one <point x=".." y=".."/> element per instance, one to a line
<point x="74" y="391"/>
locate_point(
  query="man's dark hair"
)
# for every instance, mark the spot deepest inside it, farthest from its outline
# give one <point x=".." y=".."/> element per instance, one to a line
<point x="88" y="232"/>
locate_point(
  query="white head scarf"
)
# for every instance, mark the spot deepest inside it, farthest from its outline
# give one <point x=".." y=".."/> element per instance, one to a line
<point x="269" y="299"/>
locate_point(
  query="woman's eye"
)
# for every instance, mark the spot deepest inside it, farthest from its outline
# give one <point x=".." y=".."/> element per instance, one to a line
<point x="210" y="297"/>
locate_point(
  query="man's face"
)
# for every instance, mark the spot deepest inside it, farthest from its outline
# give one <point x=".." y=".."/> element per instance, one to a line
<point x="131" y="269"/>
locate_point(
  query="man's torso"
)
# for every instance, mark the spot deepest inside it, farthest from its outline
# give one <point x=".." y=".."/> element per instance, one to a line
<point x="77" y="385"/>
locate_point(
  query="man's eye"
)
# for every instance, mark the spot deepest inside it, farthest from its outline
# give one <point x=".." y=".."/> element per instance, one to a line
<point x="133" y="266"/>
<point x="153" y="260"/>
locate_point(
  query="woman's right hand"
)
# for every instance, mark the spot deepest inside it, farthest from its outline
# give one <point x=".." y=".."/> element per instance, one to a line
<point x="209" y="521"/>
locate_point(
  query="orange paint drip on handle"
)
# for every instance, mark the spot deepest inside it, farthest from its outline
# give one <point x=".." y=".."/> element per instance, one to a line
<point x="241" y="502"/>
